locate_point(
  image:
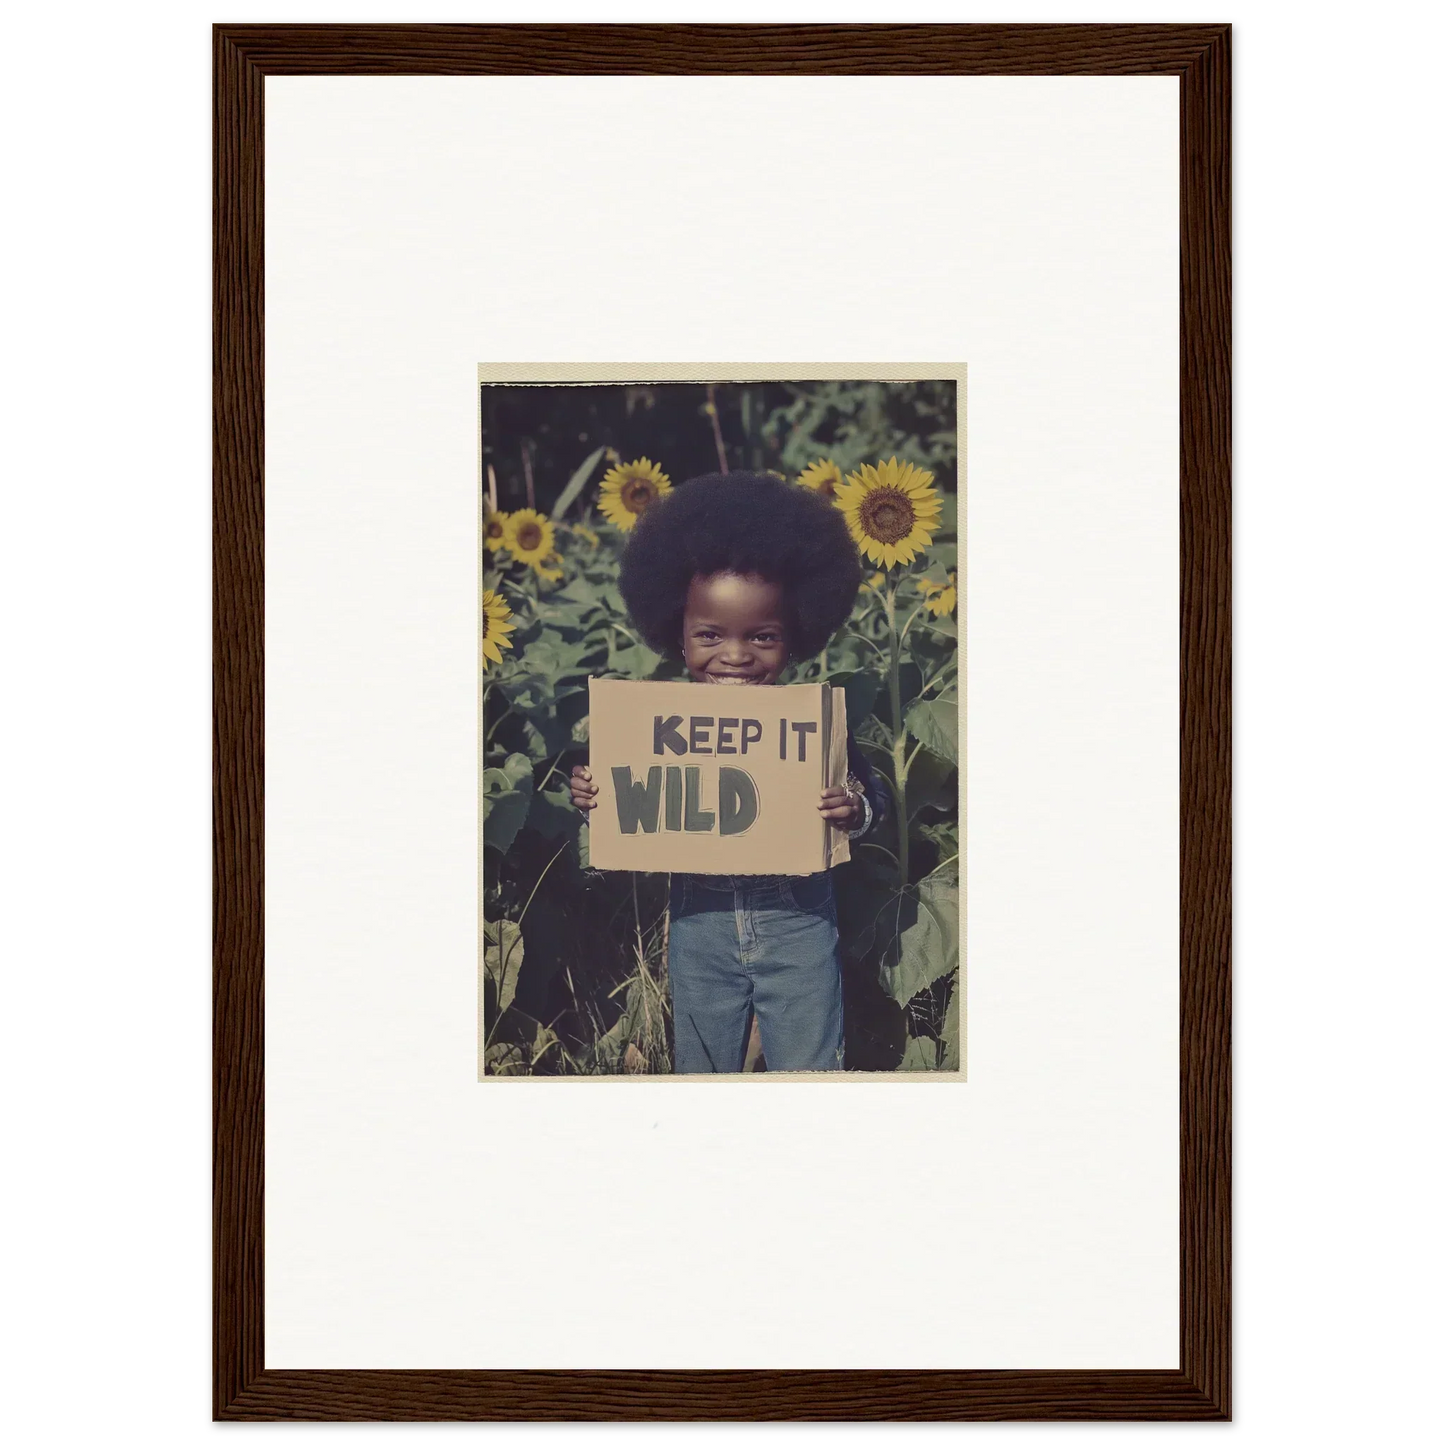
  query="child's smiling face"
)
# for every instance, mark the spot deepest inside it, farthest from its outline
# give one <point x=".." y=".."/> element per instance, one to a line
<point x="733" y="630"/>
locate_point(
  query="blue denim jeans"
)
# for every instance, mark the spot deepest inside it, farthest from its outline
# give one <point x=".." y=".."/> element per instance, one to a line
<point x="746" y="945"/>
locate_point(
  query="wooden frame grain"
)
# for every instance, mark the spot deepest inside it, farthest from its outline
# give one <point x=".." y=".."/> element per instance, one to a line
<point x="1200" y="1390"/>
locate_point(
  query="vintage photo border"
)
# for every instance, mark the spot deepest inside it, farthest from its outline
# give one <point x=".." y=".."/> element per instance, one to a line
<point x="243" y="1389"/>
<point x="589" y="373"/>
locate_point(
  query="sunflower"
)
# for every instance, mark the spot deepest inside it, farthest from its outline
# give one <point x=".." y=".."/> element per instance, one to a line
<point x="629" y="490"/>
<point x="824" y="477"/>
<point x="495" y="627"/>
<point x="582" y="530"/>
<point x="549" y="567"/>
<point x="891" y="510"/>
<point x="494" y="529"/>
<point x="873" y="583"/>
<point x="940" y="598"/>
<point x="529" y="536"/>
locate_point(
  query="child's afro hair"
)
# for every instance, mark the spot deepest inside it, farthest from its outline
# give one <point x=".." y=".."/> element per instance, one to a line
<point x="751" y="524"/>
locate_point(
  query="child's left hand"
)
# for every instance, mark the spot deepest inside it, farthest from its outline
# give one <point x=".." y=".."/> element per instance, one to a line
<point x="841" y="808"/>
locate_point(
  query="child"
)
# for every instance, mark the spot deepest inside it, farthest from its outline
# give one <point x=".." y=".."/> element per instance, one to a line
<point x="739" y="575"/>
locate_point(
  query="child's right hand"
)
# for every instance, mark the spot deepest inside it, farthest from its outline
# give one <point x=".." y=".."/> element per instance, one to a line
<point x="584" y="790"/>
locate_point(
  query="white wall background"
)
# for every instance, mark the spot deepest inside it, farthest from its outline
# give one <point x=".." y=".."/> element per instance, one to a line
<point x="413" y="226"/>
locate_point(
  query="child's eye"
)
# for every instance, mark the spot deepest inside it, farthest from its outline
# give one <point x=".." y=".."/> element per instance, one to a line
<point x="767" y="638"/>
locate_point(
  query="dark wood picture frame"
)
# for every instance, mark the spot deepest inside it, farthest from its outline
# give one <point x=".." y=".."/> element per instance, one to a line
<point x="1200" y="1390"/>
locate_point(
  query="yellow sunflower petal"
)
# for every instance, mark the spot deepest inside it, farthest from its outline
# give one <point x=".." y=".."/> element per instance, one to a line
<point x="892" y="510"/>
<point x="822" y="476"/>
<point x="629" y="490"/>
<point x="940" y="598"/>
<point x="944" y="603"/>
<point x="549" y="567"/>
<point x="495" y="626"/>
<point x="494" y="530"/>
<point x="529" y="536"/>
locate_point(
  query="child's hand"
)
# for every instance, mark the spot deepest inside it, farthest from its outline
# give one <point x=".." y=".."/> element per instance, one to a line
<point x="841" y="808"/>
<point x="584" y="790"/>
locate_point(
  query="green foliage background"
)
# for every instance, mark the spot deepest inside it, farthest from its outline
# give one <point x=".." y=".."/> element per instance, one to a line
<point x="574" y="968"/>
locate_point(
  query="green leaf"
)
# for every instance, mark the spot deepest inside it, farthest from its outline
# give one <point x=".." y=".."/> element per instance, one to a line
<point x="505" y="1059"/>
<point x="516" y="768"/>
<point x="932" y="783"/>
<point x="545" y="733"/>
<point x="568" y="616"/>
<point x="552" y="657"/>
<point x="943" y="836"/>
<point x="605" y="1055"/>
<point x="919" y="1056"/>
<point x="553" y="815"/>
<point x="934" y="722"/>
<point x="849" y="653"/>
<point x="544" y="1041"/>
<point x="870" y="908"/>
<point x="581" y="591"/>
<point x="927" y="945"/>
<point x="526" y="693"/>
<point x="860" y="690"/>
<point x="636" y="661"/>
<point x="577" y="482"/>
<point x="952" y="1038"/>
<point x="502" y="952"/>
<point x="506" y="797"/>
<point x="503" y="815"/>
<point x="535" y="741"/>
<point x="874" y="735"/>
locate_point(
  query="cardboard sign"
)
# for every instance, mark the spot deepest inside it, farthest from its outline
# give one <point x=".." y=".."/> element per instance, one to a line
<point x="693" y="778"/>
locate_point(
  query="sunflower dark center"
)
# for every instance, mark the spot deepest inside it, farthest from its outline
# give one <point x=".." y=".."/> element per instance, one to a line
<point x="637" y="493"/>
<point x="529" y="536"/>
<point x="886" y="515"/>
<point x="487" y="625"/>
<point x="494" y="528"/>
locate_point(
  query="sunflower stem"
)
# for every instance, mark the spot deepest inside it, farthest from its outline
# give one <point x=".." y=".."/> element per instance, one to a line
<point x="900" y="743"/>
<point x="912" y="617"/>
<point x="722" y="456"/>
<point x="506" y="711"/>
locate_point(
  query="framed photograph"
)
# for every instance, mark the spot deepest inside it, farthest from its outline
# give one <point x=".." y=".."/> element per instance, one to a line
<point x="721" y="722"/>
